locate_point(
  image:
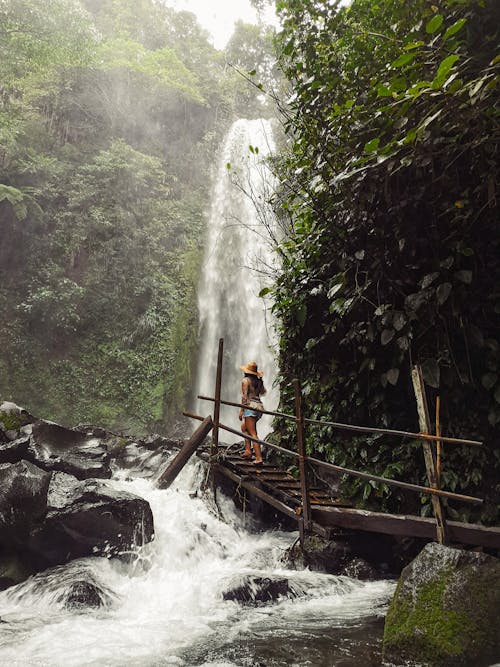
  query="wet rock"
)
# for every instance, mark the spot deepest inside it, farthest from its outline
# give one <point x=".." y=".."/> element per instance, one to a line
<point x="445" y="610"/>
<point x="15" y="567"/>
<point x="23" y="500"/>
<point x="258" y="590"/>
<point x="321" y="555"/>
<point x="360" y="569"/>
<point x="83" y="594"/>
<point x="90" y="518"/>
<point x="54" y="447"/>
<point x="155" y="441"/>
<point x="13" y="451"/>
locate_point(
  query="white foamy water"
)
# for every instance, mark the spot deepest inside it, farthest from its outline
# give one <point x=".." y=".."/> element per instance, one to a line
<point x="167" y="607"/>
<point x="237" y="265"/>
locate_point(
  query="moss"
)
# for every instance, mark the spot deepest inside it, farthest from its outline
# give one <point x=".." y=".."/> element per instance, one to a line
<point x="449" y="620"/>
<point x="11" y="421"/>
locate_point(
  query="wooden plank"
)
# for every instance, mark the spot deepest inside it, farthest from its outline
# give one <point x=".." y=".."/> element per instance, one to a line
<point x="406" y="525"/>
<point x="187" y="450"/>
<point x="430" y="463"/>
<point x="274" y="502"/>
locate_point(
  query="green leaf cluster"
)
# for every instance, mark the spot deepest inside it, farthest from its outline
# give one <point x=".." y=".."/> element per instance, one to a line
<point x="389" y="189"/>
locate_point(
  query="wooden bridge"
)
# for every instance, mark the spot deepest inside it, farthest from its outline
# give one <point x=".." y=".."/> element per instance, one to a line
<point x="318" y="510"/>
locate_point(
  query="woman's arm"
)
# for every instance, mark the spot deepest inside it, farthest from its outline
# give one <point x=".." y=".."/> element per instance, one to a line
<point x="245" y="386"/>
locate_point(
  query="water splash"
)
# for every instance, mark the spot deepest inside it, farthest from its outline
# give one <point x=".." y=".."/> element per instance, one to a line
<point x="167" y="608"/>
<point x="238" y="262"/>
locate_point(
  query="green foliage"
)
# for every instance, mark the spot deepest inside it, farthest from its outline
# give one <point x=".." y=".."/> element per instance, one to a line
<point x="109" y="118"/>
<point x="392" y="257"/>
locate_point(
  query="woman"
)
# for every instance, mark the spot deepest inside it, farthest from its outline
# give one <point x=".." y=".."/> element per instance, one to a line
<point x="252" y="388"/>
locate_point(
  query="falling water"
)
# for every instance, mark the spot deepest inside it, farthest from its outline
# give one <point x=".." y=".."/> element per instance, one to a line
<point x="167" y="607"/>
<point x="238" y="263"/>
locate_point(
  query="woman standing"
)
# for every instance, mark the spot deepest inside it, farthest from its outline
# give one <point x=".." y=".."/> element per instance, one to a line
<point x="252" y="388"/>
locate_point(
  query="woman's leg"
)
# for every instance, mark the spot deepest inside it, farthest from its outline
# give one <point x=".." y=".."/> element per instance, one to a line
<point x="247" y="454"/>
<point x="251" y="429"/>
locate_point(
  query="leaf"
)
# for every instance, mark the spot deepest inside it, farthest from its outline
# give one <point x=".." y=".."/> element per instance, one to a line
<point x="430" y="372"/>
<point x="264" y="291"/>
<point x="387" y="336"/>
<point x="464" y="276"/>
<point x="428" y="280"/>
<point x="301" y="314"/>
<point x="489" y="380"/>
<point x="333" y="290"/>
<point x="443" y="70"/>
<point x="454" y="28"/>
<point x="393" y="376"/>
<point x="228" y="165"/>
<point x="413" y="45"/>
<point x="399" y="320"/>
<point x="443" y="292"/>
<point x="403" y="60"/>
<point x="434" y="24"/>
<point x="372" y="145"/>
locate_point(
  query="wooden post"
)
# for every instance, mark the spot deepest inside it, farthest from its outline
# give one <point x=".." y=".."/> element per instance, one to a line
<point x="438" y="443"/>
<point x="304" y="487"/>
<point x="430" y="463"/>
<point x="187" y="450"/>
<point x="218" y="383"/>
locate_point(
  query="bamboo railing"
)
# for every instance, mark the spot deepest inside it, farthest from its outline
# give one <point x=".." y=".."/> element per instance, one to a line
<point x="303" y="460"/>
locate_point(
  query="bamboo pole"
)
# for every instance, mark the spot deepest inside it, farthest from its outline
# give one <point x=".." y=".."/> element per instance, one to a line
<point x="185" y="453"/>
<point x="430" y="463"/>
<point x="438" y="443"/>
<point x="301" y="448"/>
<point x="354" y="473"/>
<point x="358" y="429"/>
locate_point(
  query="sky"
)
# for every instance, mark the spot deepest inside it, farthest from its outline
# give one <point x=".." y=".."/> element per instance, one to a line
<point x="219" y="16"/>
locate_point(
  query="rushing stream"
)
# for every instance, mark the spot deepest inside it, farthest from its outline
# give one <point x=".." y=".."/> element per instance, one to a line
<point x="167" y="606"/>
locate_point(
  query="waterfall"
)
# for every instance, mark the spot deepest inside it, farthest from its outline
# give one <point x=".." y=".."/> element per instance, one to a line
<point x="237" y="263"/>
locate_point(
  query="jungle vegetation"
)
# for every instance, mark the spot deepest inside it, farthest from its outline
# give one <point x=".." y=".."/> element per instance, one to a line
<point x="111" y="112"/>
<point x="389" y="191"/>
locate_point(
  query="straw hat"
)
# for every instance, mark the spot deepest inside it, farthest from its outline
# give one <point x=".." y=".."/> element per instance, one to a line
<point x="251" y="368"/>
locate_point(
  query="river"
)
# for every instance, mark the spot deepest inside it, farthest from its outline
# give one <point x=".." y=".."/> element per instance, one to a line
<point x="166" y="606"/>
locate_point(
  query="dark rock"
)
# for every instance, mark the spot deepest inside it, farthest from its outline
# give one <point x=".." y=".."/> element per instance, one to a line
<point x="90" y="518"/>
<point x="360" y="569"/>
<point x="155" y="441"/>
<point x="13" y="451"/>
<point x="23" y="500"/>
<point x="321" y="555"/>
<point x="15" y="567"/>
<point x="95" y="431"/>
<point x="83" y="594"/>
<point x="54" y="447"/>
<point x="445" y="610"/>
<point x="257" y="590"/>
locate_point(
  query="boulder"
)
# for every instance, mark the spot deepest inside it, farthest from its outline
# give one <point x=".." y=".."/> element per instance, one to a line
<point x="258" y="590"/>
<point x="89" y="518"/>
<point x="13" y="451"/>
<point x="54" y="447"/>
<point x="15" y="567"/>
<point x="23" y="500"/>
<point x="358" y="568"/>
<point x="445" y="610"/>
<point x="12" y="418"/>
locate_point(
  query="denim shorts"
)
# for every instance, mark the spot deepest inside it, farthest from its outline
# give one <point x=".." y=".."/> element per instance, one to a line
<point x="251" y="413"/>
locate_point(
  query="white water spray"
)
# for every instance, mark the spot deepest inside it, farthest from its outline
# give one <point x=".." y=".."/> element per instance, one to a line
<point x="238" y="262"/>
<point x="168" y="607"/>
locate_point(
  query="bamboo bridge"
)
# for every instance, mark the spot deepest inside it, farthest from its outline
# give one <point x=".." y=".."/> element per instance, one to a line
<point x="318" y="510"/>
